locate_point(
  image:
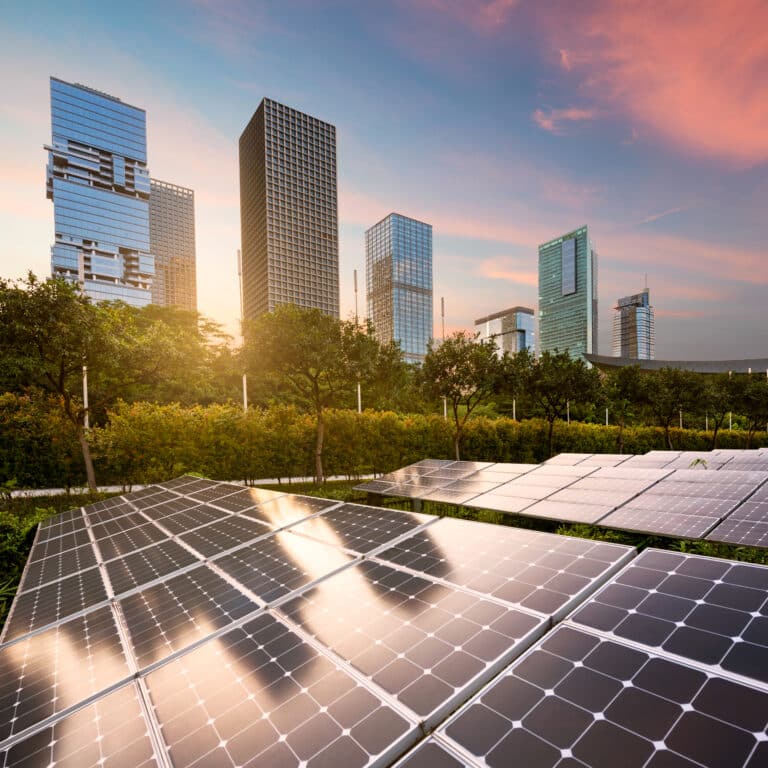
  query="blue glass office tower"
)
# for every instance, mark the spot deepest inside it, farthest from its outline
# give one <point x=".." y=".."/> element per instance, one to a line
<point x="633" y="327"/>
<point x="398" y="267"/>
<point x="98" y="180"/>
<point x="568" y="294"/>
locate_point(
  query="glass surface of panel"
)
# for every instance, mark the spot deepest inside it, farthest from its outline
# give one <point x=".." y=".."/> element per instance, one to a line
<point x="55" y="567"/>
<point x="542" y="572"/>
<point x="359" y="528"/>
<point x="578" y="700"/>
<point x="710" y="611"/>
<point x="287" y="510"/>
<point x="176" y="613"/>
<point x="425" y="643"/>
<point x="224" y="534"/>
<point x="261" y="696"/>
<point x="46" y="673"/>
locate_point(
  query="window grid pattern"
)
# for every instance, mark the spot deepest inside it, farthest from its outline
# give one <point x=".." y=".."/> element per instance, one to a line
<point x="398" y="259"/>
<point x="568" y="319"/>
<point x="633" y="328"/>
<point x="99" y="183"/>
<point x="289" y="211"/>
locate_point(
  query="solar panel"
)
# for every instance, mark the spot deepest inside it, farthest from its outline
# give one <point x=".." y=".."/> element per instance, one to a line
<point x="190" y="518"/>
<point x="163" y="509"/>
<point x="709" y="611"/>
<point x="225" y="534"/>
<point x="246" y="499"/>
<point x="568" y="511"/>
<point x="661" y="522"/>
<point x="174" y="614"/>
<point x="261" y="695"/>
<point x="577" y="699"/>
<point x="500" y="502"/>
<point x="128" y="541"/>
<point x="160" y="497"/>
<point x="46" y="673"/>
<point x="361" y="529"/>
<point x="288" y="509"/>
<point x="54" y="602"/>
<point x="281" y="564"/>
<point x="537" y="571"/>
<point x="568" y="459"/>
<point x="112" y="731"/>
<point x="55" y="567"/>
<point x="147" y="565"/>
<point x="58" y="544"/>
<point x="425" y="643"/>
<point x="62" y="526"/>
<point x="745" y="533"/>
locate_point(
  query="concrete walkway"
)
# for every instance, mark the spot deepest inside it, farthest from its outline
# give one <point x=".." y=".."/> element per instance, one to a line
<point x="32" y="492"/>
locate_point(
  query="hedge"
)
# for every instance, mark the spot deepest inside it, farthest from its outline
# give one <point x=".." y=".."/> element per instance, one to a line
<point x="145" y="442"/>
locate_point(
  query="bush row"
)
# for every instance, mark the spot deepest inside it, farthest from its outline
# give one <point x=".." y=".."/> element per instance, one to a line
<point x="144" y="442"/>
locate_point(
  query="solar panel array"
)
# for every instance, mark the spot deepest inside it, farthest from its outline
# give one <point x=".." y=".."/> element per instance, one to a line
<point x="665" y="666"/>
<point x="724" y="499"/>
<point x="202" y="623"/>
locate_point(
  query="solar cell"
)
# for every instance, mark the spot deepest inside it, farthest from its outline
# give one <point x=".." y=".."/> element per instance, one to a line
<point x="128" y="541"/>
<point x="40" y="572"/>
<point x="751" y="510"/>
<point x="62" y="526"/>
<point x="427" y="644"/>
<point x="228" y="533"/>
<point x="361" y="529"/>
<point x="147" y="565"/>
<point x="761" y="494"/>
<point x="246" y="499"/>
<point x="54" y="602"/>
<point x="46" y="673"/>
<point x="174" y="614"/>
<point x="286" y="510"/>
<point x="710" y="611"/>
<point x="260" y="695"/>
<point x="192" y="517"/>
<point x="579" y="700"/>
<point x="58" y="544"/>
<point x="161" y="496"/>
<point x="111" y="732"/>
<point x="568" y="511"/>
<point x="538" y="571"/>
<point x="281" y="564"/>
<point x="214" y="493"/>
<point x="118" y="525"/>
<point x="661" y="522"/>
<point x="746" y="533"/>
<point x="97" y="514"/>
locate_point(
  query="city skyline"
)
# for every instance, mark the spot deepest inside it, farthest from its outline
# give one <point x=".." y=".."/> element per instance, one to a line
<point x="524" y="134"/>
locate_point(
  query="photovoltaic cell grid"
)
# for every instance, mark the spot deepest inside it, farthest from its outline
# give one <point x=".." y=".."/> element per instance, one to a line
<point x="706" y="611"/>
<point x="649" y="496"/>
<point x="358" y="709"/>
<point x="577" y="699"/>
<point x="536" y="571"/>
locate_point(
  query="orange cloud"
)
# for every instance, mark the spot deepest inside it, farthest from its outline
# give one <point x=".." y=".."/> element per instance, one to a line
<point x="554" y="120"/>
<point x="500" y="269"/>
<point x="696" y="77"/>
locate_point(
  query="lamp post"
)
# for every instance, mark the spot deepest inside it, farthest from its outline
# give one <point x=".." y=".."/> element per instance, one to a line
<point x="81" y="283"/>
<point x="359" y="394"/>
<point x="442" y="320"/>
<point x="242" y="326"/>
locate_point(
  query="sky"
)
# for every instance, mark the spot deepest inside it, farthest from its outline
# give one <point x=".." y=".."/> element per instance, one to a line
<point x="503" y="123"/>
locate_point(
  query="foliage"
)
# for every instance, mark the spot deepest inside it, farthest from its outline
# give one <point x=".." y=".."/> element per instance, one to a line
<point x="318" y="360"/>
<point x="669" y="392"/>
<point x="463" y="370"/>
<point x="623" y="393"/>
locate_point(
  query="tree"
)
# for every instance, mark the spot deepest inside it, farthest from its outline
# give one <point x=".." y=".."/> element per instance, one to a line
<point x="719" y="396"/>
<point x="670" y="391"/>
<point x="553" y="381"/>
<point x="623" y="391"/>
<point x="754" y="405"/>
<point x="317" y="358"/>
<point x="464" y="371"/>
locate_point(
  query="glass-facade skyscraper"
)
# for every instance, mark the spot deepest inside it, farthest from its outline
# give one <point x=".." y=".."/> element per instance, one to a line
<point x="98" y="180"/>
<point x="398" y="275"/>
<point x="172" y="239"/>
<point x="568" y="294"/>
<point x="633" y="327"/>
<point x="513" y="330"/>
<point x="288" y="211"/>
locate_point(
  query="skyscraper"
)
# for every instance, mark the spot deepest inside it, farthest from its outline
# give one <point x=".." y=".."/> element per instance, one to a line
<point x="172" y="240"/>
<point x="511" y="329"/>
<point x="398" y="275"/>
<point x="568" y="294"/>
<point x="288" y="211"/>
<point x="633" y="327"/>
<point x="98" y="180"/>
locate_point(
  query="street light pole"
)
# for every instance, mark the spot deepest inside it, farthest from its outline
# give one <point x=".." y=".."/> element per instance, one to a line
<point x="242" y="326"/>
<point x="442" y="320"/>
<point x="81" y="283"/>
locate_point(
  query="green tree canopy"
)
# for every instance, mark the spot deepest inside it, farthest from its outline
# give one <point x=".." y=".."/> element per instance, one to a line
<point x="316" y="358"/>
<point x="464" y="371"/>
<point x="669" y="392"/>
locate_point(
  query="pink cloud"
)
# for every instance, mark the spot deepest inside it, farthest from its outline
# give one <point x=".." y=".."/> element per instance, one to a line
<point x="680" y="314"/>
<point x="555" y="120"/>
<point x="696" y="78"/>
<point x="501" y="269"/>
<point x="662" y="214"/>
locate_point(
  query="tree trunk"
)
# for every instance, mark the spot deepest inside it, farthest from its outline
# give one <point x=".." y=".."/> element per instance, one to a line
<point x="86" y="449"/>
<point x="714" y="437"/>
<point x="621" y="435"/>
<point x="668" y="435"/>
<point x="551" y="437"/>
<point x="319" y="477"/>
<point x="456" y="440"/>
